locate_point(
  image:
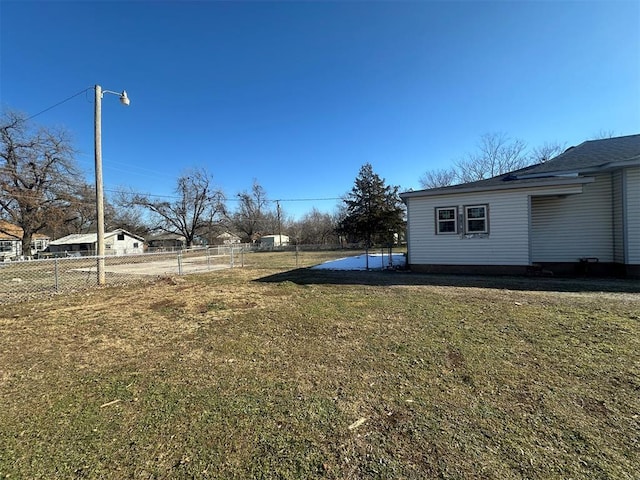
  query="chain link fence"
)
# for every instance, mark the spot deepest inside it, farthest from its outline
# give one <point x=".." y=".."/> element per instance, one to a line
<point x="20" y="279"/>
<point x="303" y="256"/>
<point x="42" y="277"/>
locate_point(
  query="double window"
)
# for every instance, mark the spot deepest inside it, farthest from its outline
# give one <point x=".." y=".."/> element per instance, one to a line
<point x="476" y="220"/>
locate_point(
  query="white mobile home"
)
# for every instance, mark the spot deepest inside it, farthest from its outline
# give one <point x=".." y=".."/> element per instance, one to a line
<point x="578" y="212"/>
<point x="117" y="242"/>
<point x="11" y="242"/>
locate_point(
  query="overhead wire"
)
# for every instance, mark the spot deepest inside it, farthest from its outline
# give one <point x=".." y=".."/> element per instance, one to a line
<point x="26" y="195"/>
<point x="231" y="199"/>
<point x="58" y="104"/>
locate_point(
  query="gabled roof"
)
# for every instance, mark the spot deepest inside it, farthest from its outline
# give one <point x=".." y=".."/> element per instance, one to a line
<point x="82" y="238"/>
<point x="566" y="169"/>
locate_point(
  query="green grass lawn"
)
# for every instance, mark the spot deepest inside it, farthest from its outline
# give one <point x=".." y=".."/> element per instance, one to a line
<point x="259" y="373"/>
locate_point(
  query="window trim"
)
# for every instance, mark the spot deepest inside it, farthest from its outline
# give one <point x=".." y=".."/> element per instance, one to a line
<point x="485" y="231"/>
<point x="7" y="246"/>
<point x="454" y="220"/>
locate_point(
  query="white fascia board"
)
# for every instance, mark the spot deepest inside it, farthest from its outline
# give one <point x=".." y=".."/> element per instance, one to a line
<point x="632" y="162"/>
<point x="508" y="185"/>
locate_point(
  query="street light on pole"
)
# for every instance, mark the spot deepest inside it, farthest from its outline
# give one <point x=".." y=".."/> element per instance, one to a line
<point x="98" y="167"/>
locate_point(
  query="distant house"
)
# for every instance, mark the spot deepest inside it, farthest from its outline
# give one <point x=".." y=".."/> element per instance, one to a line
<point x="270" y="241"/>
<point x="166" y="242"/>
<point x="578" y="212"/>
<point x="117" y="242"/>
<point x="11" y="242"/>
<point x="227" y="238"/>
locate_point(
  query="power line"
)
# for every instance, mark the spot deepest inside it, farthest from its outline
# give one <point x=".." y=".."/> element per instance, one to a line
<point x="35" y="196"/>
<point x="58" y="104"/>
<point x="306" y="199"/>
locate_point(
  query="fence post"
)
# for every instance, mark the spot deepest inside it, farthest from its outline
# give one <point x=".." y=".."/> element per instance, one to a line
<point x="179" y="262"/>
<point x="208" y="259"/>
<point x="55" y="274"/>
<point x="231" y="256"/>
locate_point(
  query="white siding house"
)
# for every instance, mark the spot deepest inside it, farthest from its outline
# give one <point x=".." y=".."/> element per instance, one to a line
<point x="577" y="212"/>
<point x="117" y="242"/>
<point x="11" y="242"/>
<point x="166" y="242"/>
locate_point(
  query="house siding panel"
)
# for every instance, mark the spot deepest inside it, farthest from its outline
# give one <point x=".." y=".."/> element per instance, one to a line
<point x="632" y="215"/>
<point x="127" y="246"/>
<point x="567" y="228"/>
<point x="618" y="217"/>
<point x="506" y="243"/>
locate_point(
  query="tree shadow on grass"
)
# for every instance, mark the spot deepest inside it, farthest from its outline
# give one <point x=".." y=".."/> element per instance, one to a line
<point x="307" y="276"/>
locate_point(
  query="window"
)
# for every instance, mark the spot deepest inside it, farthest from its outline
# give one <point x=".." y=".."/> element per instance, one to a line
<point x="38" y="245"/>
<point x="135" y="244"/>
<point x="121" y="236"/>
<point x="476" y="219"/>
<point x="447" y="220"/>
<point x="6" y="246"/>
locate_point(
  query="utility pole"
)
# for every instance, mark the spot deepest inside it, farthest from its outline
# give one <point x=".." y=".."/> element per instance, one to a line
<point x="279" y="224"/>
<point x="99" y="185"/>
<point x="97" y="129"/>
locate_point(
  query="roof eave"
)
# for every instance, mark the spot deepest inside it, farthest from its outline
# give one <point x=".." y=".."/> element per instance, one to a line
<point x="508" y="185"/>
<point x="634" y="162"/>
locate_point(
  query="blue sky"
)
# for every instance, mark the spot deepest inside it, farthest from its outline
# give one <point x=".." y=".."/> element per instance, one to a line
<point x="299" y="95"/>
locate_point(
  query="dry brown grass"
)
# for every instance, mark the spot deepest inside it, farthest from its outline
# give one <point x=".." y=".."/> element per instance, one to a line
<point x="227" y="375"/>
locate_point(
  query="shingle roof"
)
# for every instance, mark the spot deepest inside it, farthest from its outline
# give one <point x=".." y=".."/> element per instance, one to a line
<point x="592" y="154"/>
<point x="587" y="157"/>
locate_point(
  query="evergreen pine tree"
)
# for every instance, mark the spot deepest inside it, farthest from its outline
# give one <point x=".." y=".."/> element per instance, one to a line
<point x="373" y="211"/>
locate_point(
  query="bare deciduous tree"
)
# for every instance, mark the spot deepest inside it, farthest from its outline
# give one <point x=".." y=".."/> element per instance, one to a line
<point x="439" y="178"/>
<point x="315" y="228"/>
<point x="497" y="154"/>
<point x="253" y="215"/>
<point x="122" y="214"/>
<point x="37" y="174"/>
<point x="545" y="152"/>
<point x="196" y="207"/>
<point x="603" y="134"/>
